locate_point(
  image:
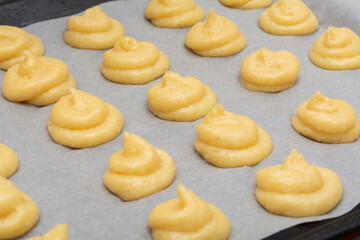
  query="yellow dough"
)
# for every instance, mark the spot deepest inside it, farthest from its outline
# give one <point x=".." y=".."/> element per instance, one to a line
<point x="37" y="80"/>
<point x="134" y="62"/>
<point x="336" y="49"/>
<point x="181" y="99"/>
<point x="228" y="140"/>
<point x="93" y="30"/>
<point x="81" y="120"/>
<point x="297" y="188"/>
<point x="217" y="37"/>
<point x="247" y="4"/>
<point x="188" y="218"/>
<point x="18" y="212"/>
<point x="288" y="17"/>
<point x="13" y="42"/>
<point x="174" y="13"/>
<point x="139" y="169"/>
<point x="9" y="162"/>
<point x="326" y="120"/>
<point x="268" y="71"/>
<point x="59" y="232"/>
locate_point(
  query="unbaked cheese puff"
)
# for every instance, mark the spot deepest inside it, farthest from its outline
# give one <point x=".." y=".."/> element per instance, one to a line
<point x="297" y="188"/>
<point x="14" y="42"/>
<point x="174" y="13"/>
<point x="246" y="4"/>
<point x="288" y="17"/>
<point x="268" y="71"/>
<point x="228" y="140"/>
<point x="217" y="37"/>
<point x="188" y="218"/>
<point x="139" y="169"/>
<point x="326" y="120"/>
<point x="93" y="30"/>
<point x="37" y="80"/>
<point x="59" y="232"/>
<point x="180" y="99"/>
<point x="336" y="49"/>
<point x="134" y="62"/>
<point x="9" y="162"/>
<point x="18" y="212"/>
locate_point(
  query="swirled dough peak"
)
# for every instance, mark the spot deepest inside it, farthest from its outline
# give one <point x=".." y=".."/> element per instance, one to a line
<point x="180" y="99"/>
<point x="297" y="188"/>
<point x="9" y="162"/>
<point x="134" y="62"/>
<point x="247" y="4"/>
<point x="14" y="42"/>
<point x="188" y="218"/>
<point x="18" y="212"/>
<point x="81" y="120"/>
<point x="174" y="13"/>
<point x="228" y="140"/>
<point x="139" y="169"/>
<point x="288" y="17"/>
<point x="37" y="80"/>
<point x="59" y="232"/>
<point x="326" y="120"/>
<point x="217" y="37"/>
<point x="268" y="71"/>
<point x="336" y="49"/>
<point x="93" y="30"/>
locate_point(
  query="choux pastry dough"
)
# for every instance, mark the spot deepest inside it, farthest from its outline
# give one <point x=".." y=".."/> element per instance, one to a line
<point x="18" y="212"/>
<point x="188" y="218"/>
<point x="336" y="49"/>
<point x="59" y="232"/>
<point x="13" y="42"/>
<point x="134" y="62"/>
<point x="37" y="80"/>
<point x="288" y="17"/>
<point x="229" y="140"/>
<point x="139" y="169"/>
<point x="247" y="4"/>
<point x="297" y="188"/>
<point x="93" y="30"/>
<point x="81" y="120"/>
<point x="9" y="162"/>
<point x="326" y="120"/>
<point x="174" y="13"/>
<point x="180" y="99"/>
<point x="268" y="71"/>
<point x="217" y="37"/>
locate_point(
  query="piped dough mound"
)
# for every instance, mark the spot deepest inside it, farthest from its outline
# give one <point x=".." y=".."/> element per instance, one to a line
<point x="14" y="42"/>
<point x="326" y="120"/>
<point x="188" y="218"/>
<point x="93" y="30"/>
<point x="336" y="49"/>
<point x="268" y="71"/>
<point x="229" y="140"/>
<point x="81" y="120"/>
<point x="174" y="13"/>
<point x="288" y="17"/>
<point x="59" y="232"/>
<point x="134" y="62"/>
<point x="247" y="4"/>
<point x="139" y="169"/>
<point x="9" y="162"/>
<point x="217" y="37"/>
<point x="18" y="212"/>
<point x="297" y="188"/>
<point x="37" y="80"/>
<point x="181" y="99"/>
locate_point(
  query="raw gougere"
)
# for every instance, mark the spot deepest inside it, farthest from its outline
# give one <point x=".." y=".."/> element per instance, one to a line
<point x="134" y="62"/>
<point x="297" y="188"/>
<point x="139" y="169"/>
<point x="247" y="4"/>
<point x="59" y="232"/>
<point x="9" y="162"/>
<point x="188" y="218"/>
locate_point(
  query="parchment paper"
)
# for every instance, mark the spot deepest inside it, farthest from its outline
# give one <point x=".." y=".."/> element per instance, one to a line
<point x="67" y="184"/>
